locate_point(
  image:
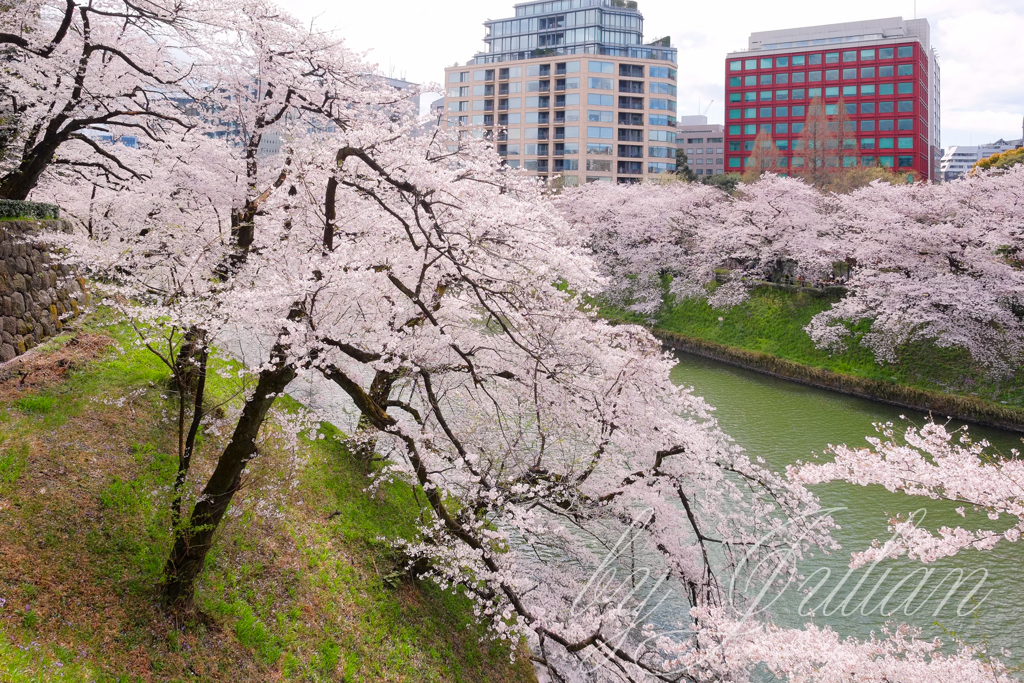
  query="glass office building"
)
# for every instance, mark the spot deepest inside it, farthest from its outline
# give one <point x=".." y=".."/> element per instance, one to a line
<point x="569" y="89"/>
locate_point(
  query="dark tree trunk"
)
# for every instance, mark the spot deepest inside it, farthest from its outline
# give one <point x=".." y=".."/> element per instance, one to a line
<point x="185" y="368"/>
<point x="22" y="180"/>
<point x="193" y="541"/>
<point x="185" y="461"/>
<point x="380" y="391"/>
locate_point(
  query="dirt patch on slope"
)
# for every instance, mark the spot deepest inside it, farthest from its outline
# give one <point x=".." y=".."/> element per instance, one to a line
<point x="41" y="368"/>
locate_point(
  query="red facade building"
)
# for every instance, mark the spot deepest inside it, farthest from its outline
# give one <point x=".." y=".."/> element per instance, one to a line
<point x="881" y="77"/>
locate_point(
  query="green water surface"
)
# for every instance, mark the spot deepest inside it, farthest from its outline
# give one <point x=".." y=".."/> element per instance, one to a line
<point x="783" y="422"/>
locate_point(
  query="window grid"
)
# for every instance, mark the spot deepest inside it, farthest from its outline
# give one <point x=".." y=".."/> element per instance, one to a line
<point x="876" y="82"/>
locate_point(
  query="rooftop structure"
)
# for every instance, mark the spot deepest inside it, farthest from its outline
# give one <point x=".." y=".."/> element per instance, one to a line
<point x="613" y="28"/>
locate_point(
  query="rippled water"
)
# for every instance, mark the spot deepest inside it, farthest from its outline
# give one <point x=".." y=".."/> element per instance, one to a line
<point x="784" y="422"/>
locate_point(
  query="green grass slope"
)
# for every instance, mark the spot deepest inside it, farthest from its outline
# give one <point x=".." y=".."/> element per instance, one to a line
<point x="299" y="587"/>
<point x="772" y="321"/>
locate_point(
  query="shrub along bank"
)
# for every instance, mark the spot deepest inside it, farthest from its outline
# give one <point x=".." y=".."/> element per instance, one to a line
<point x="766" y="334"/>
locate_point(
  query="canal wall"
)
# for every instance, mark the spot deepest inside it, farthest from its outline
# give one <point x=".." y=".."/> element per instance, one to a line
<point x="965" y="408"/>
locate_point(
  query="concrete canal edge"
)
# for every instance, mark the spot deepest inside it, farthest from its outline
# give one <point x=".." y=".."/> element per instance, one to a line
<point x="967" y="408"/>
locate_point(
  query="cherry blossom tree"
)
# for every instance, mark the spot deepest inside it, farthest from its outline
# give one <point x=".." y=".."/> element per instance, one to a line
<point x="937" y="464"/>
<point x="934" y="262"/>
<point x="76" y="74"/>
<point x="640" y="235"/>
<point x="697" y="235"/>
<point x="269" y="78"/>
<point x="532" y="428"/>
<point x="439" y="292"/>
<point x="921" y="262"/>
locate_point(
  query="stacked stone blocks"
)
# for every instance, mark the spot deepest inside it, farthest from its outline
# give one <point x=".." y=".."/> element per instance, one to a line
<point x="36" y="295"/>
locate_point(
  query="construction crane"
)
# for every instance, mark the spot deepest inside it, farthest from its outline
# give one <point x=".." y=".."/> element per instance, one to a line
<point x="705" y="112"/>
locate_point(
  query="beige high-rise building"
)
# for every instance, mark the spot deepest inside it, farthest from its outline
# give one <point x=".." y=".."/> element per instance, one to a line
<point x="567" y="88"/>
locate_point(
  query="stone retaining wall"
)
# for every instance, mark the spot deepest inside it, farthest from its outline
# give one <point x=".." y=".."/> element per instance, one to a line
<point x="36" y="295"/>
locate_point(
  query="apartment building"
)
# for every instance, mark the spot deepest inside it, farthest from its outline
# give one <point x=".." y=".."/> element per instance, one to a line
<point x="959" y="159"/>
<point x="568" y="88"/>
<point x="703" y="142"/>
<point x="883" y="73"/>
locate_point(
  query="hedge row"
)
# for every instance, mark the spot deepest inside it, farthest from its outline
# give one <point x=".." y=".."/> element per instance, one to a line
<point x="15" y="208"/>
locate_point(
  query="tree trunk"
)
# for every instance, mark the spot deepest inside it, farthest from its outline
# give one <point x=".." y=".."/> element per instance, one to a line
<point x="193" y="542"/>
<point x="18" y="182"/>
<point x="189" y="446"/>
<point x="380" y="392"/>
<point x="22" y="180"/>
<point x="185" y="368"/>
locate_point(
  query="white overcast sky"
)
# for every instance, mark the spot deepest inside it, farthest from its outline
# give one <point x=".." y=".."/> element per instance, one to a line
<point x="980" y="44"/>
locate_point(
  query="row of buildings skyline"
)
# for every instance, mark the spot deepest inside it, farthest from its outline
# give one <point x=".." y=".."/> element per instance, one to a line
<point x="570" y="88"/>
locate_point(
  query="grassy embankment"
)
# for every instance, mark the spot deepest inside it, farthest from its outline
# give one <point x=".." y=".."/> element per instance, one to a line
<point x="769" y="326"/>
<point x="299" y="586"/>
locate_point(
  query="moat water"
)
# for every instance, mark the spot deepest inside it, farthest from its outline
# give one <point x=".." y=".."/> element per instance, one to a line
<point x="784" y="422"/>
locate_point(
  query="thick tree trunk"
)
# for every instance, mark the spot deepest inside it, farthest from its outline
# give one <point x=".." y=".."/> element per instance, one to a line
<point x="380" y="392"/>
<point x="22" y="180"/>
<point x="18" y="182"/>
<point x="193" y="541"/>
